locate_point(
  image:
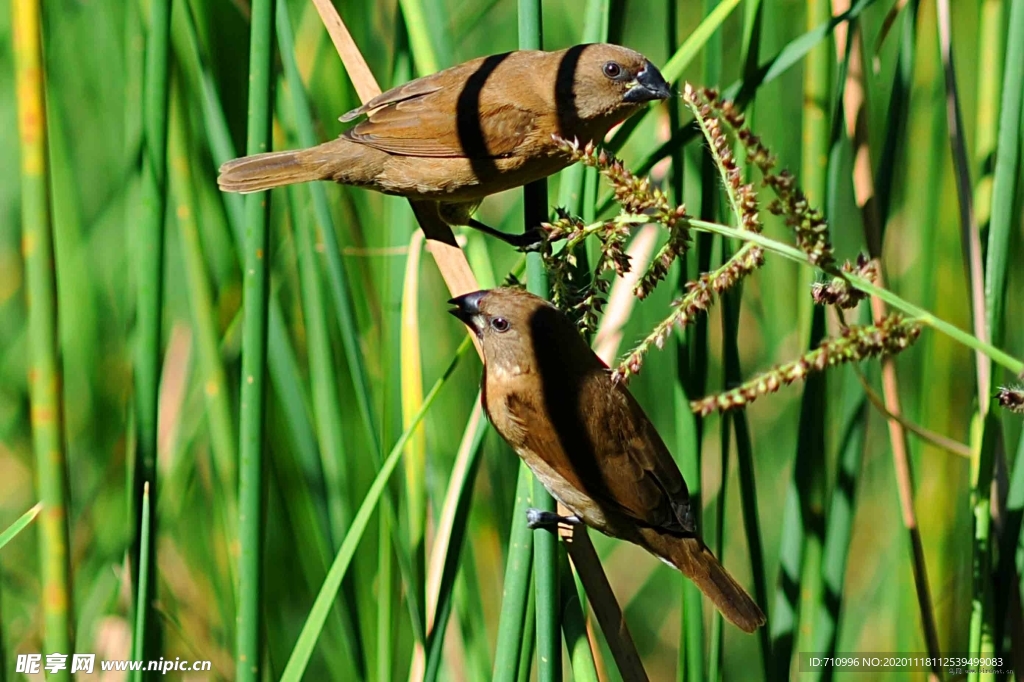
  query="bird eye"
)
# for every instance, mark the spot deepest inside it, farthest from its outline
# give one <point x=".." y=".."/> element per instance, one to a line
<point x="500" y="325"/>
<point x="612" y="70"/>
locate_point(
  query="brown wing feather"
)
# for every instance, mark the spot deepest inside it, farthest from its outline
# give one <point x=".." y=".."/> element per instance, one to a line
<point x="419" y="87"/>
<point x="462" y="112"/>
<point x="641" y="475"/>
<point x="628" y="468"/>
<point x="399" y="129"/>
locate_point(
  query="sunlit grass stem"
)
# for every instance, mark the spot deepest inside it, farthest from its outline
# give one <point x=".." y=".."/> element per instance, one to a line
<point x="44" y="369"/>
<point x="255" y="278"/>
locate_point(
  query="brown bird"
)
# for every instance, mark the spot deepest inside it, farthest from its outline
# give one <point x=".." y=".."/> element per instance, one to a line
<point x="588" y="440"/>
<point x="471" y="130"/>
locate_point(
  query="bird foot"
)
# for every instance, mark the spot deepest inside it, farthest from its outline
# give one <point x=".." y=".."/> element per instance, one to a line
<point x="539" y="518"/>
<point x="531" y="241"/>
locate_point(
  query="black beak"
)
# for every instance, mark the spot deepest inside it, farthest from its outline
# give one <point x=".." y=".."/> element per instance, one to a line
<point x="467" y="309"/>
<point x="650" y="85"/>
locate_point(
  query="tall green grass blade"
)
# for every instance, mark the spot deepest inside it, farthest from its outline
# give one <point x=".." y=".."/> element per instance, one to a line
<point x="512" y="621"/>
<point x="1010" y="574"/>
<point x="385" y="603"/>
<point x="415" y="460"/>
<point x="212" y="375"/>
<point x="296" y="667"/>
<point x="44" y="370"/>
<point x="142" y="593"/>
<point x="574" y="622"/>
<point x="800" y="552"/>
<point x="20" y="524"/>
<point x="256" y="279"/>
<point x="284" y="370"/>
<point x="799" y="578"/>
<point x="896" y="124"/>
<point x="150" y="278"/>
<point x="839" y="525"/>
<point x="991" y="44"/>
<point x="524" y="669"/>
<point x="338" y="277"/>
<point x="692" y="348"/>
<point x="1005" y="183"/>
<point x="452" y="527"/>
<point x="748" y="487"/>
<point x="1003" y="218"/>
<point x="417" y="24"/>
<point x="545" y="544"/>
<point x="715" y="649"/>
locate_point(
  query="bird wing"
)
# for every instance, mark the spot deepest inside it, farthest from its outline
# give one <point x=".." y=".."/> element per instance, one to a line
<point x="440" y="116"/>
<point x="627" y="468"/>
<point x="428" y="126"/>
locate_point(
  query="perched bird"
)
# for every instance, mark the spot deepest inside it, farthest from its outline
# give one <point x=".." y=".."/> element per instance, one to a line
<point x="587" y="439"/>
<point x="471" y="130"/>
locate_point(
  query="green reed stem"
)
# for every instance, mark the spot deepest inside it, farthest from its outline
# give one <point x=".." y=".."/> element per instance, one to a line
<point x="142" y="592"/>
<point x="255" y="278"/>
<point x="150" y="275"/>
<point x="44" y="371"/>
<point x="1004" y="218"/>
<point x="545" y="543"/>
<point x="515" y="595"/>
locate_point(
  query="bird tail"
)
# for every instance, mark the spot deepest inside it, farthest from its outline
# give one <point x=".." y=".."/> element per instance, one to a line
<point x="276" y="169"/>
<point x="692" y="557"/>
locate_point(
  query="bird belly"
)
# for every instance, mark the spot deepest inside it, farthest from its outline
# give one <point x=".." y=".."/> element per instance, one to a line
<point x="578" y="502"/>
<point x="462" y="179"/>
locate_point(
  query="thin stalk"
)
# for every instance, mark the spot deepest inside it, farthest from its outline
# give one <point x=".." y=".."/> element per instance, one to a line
<point x="20" y="524"/>
<point x="44" y="370"/>
<point x="149" y="278"/>
<point x="525" y="666"/>
<point x="142" y="591"/>
<point x="511" y="622"/>
<point x="574" y="623"/>
<point x="545" y="543"/>
<point x="385" y="603"/>
<point x="254" y="355"/>
<point x="715" y="658"/>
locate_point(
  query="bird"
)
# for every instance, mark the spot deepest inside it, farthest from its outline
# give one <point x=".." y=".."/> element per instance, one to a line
<point x="587" y="440"/>
<point x="450" y="139"/>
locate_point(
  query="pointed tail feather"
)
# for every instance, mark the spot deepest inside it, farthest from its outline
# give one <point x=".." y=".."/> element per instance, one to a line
<point x="265" y="171"/>
<point x="695" y="560"/>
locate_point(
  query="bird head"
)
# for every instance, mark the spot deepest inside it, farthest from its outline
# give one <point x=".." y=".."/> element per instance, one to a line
<point x="608" y="82"/>
<point x="518" y="330"/>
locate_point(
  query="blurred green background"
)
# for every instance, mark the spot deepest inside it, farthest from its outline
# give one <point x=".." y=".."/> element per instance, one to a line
<point x="317" y="472"/>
